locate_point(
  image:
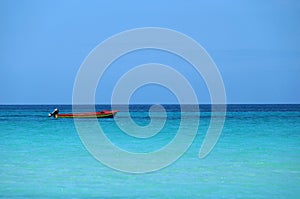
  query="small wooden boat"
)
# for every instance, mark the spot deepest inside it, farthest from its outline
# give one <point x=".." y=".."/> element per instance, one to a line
<point x="101" y="114"/>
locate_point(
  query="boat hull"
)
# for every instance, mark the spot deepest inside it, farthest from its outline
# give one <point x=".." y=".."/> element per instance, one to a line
<point x="102" y="114"/>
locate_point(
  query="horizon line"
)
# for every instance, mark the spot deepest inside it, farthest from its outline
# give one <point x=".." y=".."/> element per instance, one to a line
<point x="282" y="103"/>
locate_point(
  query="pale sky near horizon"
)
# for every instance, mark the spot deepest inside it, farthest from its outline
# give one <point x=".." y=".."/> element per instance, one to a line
<point x="255" y="44"/>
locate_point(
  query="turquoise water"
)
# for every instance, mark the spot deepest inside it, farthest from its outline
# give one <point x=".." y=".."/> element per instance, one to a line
<point x="257" y="156"/>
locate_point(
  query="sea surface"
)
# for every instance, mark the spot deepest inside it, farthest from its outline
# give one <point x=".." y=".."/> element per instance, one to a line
<point x="257" y="155"/>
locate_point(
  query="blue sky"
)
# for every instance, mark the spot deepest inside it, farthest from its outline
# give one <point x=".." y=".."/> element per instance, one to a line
<point x="255" y="44"/>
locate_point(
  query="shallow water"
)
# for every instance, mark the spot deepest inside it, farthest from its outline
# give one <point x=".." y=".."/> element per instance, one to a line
<point x="257" y="156"/>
